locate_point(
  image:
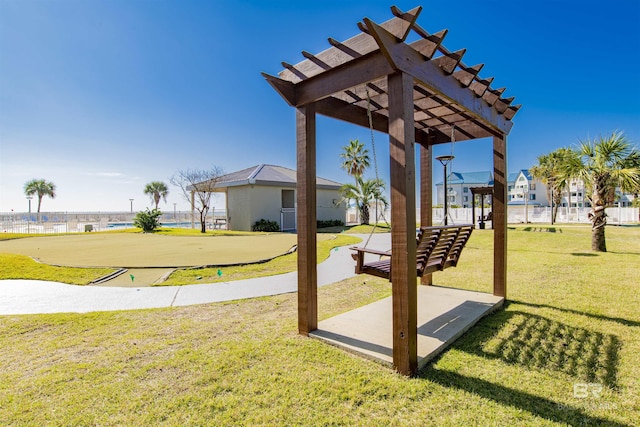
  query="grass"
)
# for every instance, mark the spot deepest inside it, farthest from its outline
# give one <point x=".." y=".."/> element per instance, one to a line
<point x="280" y="265"/>
<point x="562" y="352"/>
<point x="14" y="266"/>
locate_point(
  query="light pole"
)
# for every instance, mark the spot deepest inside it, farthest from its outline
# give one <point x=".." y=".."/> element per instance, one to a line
<point x="175" y="218"/>
<point x="29" y="216"/>
<point x="131" y="201"/>
<point x="445" y="160"/>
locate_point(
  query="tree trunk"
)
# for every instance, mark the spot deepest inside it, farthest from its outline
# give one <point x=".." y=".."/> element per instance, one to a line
<point x="598" y="217"/>
<point x="598" y="242"/>
<point x="364" y="209"/>
<point x="203" y="221"/>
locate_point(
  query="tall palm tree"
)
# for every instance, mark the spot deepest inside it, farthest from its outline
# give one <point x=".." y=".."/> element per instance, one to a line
<point x="355" y="158"/>
<point x="156" y="190"/>
<point x="364" y="192"/>
<point x="548" y="170"/>
<point x="41" y="188"/>
<point x="604" y="164"/>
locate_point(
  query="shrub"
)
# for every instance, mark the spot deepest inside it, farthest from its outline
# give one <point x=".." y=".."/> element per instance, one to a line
<point x="148" y="220"/>
<point x="330" y="223"/>
<point x="265" y="225"/>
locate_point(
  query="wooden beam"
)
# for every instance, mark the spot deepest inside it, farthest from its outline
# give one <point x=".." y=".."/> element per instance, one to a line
<point x="499" y="212"/>
<point x="306" y="219"/>
<point x="449" y="62"/>
<point x="429" y="45"/>
<point x="403" y="218"/>
<point x="356" y="72"/>
<point x="480" y="86"/>
<point x="466" y="75"/>
<point x="311" y="57"/>
<point x="287" y="90"/>
<point x="492" y="95"/>
<point x="511" y="111"/>
<point x="294" y="70"/>
<point x="403" y="58"/>
<point x="342" y="110"/>
<point x="342" y="52"/>
<point x="503" y="103"/>
<point x="426" y="195"/>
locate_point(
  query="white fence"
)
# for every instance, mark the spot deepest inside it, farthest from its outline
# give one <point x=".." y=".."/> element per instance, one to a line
<point x="517" y="215"/>
<point x="67" y="222"/>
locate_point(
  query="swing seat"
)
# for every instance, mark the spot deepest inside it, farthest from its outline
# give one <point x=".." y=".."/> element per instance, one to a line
<point x="437" y="248"/>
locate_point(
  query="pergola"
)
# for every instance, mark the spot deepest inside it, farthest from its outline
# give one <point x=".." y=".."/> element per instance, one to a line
<point x="417" y="92"/>
<point x="482" y="191"/>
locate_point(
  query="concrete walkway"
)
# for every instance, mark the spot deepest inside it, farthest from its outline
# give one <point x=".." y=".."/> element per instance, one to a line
<point x="34" y="296"/>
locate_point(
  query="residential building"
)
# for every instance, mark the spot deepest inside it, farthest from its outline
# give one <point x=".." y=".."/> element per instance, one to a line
<point x="458" y="184"/>
<point x="522" y="185"/>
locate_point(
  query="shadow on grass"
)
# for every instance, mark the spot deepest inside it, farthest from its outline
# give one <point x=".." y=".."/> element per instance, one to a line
<point x="536" y="343"/>
<point x="536" y="405"/>
<point x="587" y="254"/>
<point x="622" y="321"/>
<point x="543" y="229"/>
<point x="624" y="253"/>
<point x="539" y="343"/>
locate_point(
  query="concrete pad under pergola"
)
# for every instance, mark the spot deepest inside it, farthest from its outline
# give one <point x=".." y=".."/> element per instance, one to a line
<point x="416" y="92"/>
<point x="444" y="316"/>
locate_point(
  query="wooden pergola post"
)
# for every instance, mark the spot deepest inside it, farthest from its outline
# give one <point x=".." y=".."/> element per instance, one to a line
<point x="306" y="218"/>
<point x="499" y="212"/>
<point x="403" y="218"/>
<point x="426" y="195"/>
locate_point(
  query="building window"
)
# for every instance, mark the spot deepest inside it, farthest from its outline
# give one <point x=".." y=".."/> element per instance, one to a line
<point x="532" y="187"/>
<point x="466" y="198"/>
<point x="465" y="189"/>
<point x="532" y="196"/>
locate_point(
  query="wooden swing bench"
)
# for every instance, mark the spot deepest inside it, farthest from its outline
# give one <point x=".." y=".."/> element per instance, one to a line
<point x="437" y="248"/>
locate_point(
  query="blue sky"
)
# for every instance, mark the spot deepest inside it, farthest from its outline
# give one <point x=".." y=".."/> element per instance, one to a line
<point x="102" y="97"/>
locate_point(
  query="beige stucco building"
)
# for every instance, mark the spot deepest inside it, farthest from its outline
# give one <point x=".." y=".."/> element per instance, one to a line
<point x="268" y="192"/>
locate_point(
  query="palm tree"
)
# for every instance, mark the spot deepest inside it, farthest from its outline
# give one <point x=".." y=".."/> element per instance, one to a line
<point x="364" y="192"/>
<point x="355" y="158"/>
<point x="548" y="171"/>
<point x="41" y="188"/>
<point x="604" y="164"/>
<point x="157" y="190"/>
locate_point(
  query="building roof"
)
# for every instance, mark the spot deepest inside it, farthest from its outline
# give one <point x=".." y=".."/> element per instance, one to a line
<point x="483" y="178"/>
<point x="269" y="175"/>
<point x="514" y="176"/>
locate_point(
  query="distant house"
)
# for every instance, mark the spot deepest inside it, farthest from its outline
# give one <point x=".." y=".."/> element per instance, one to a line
<point x="268" y="192"/>
<point x="459" y="183"/>
<point x="523" y="186"/>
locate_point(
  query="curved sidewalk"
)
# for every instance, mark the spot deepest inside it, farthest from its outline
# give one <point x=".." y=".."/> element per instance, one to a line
<point x="37" y="297"/>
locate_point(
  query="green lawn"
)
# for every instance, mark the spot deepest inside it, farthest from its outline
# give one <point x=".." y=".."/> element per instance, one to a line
<point x="111" y="244"/>
<point x="564" y="351"/>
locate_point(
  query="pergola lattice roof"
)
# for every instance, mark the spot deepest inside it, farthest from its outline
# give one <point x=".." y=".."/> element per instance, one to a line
<point x="337" y="81"/>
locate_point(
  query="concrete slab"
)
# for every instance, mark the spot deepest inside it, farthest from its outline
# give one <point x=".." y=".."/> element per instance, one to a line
<point x="444" y="314"/>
